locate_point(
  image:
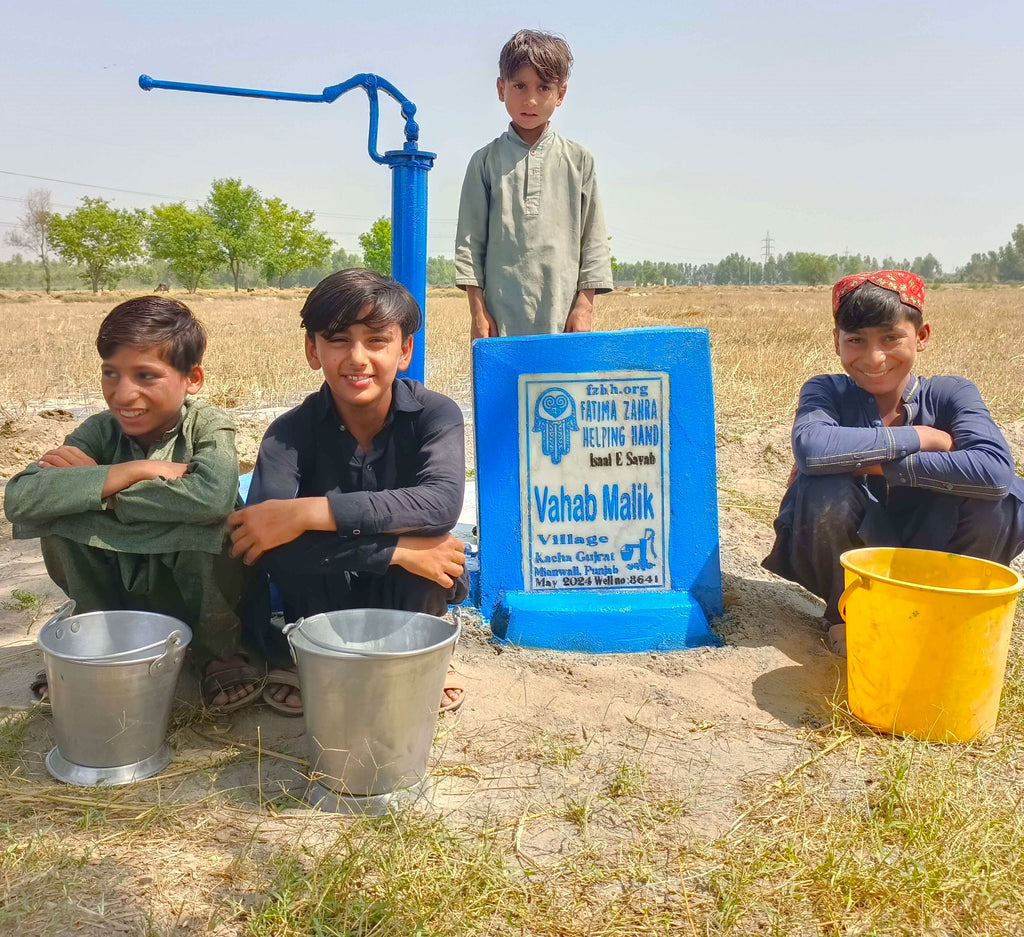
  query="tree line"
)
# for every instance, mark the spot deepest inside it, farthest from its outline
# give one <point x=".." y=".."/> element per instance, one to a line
<point x="238" y="237"/>
<point x="1005" y="265"/>
<point x="794" y="267"/>
<point x="234" y="237"/>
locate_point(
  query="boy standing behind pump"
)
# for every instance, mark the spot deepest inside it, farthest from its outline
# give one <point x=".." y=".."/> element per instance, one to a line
<point x="531" y="250"/>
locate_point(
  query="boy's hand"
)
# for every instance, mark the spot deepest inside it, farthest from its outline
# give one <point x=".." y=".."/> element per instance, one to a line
<point x="581" y="316"/>
<point x="65" y="457"/>
<point x="125" y="474"/>
<point x="482" y="322"/>
<point x="934" y="440"/>
<point x="439" y="559"/>
<point x="261" y="527"/>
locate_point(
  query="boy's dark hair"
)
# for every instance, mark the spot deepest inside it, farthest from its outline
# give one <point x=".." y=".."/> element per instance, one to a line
<point x="548" y="54"/>
<point x="873" y="306"/>
<point x="154" y="322"/>
<point x="337" y="302"/>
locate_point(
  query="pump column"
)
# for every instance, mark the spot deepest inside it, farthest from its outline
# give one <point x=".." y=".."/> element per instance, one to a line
<point x="409" y="235"/>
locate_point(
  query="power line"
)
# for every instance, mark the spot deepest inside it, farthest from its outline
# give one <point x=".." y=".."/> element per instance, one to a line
<point x="110" y="188"/>
<point x="89" y="185"/>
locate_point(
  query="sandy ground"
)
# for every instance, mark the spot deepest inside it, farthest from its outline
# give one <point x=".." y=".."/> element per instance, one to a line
<point x="705" y="723"/>
<point x="705" y="719"/>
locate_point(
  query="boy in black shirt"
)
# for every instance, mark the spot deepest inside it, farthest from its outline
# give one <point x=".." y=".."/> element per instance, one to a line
<point x="356" y="489"/>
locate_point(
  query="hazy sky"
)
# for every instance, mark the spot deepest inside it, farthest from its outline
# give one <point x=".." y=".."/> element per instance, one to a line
<point x="882" y="128"/>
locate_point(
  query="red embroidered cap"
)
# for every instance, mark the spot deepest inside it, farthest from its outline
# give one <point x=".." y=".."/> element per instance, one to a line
<point x="909" y="286"/>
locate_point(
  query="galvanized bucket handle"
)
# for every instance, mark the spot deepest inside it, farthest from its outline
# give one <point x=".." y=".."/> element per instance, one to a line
<point x="173" y="645"/>
<point x="64" y="610"/>
<point x="339" y="652"/>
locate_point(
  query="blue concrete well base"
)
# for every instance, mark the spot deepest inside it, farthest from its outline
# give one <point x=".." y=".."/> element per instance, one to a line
<point x="602" y="622"/>
<point x="598" y="513"/>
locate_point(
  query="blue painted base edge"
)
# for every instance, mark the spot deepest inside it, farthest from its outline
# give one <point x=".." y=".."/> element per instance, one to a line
<point x="602" y="622"/>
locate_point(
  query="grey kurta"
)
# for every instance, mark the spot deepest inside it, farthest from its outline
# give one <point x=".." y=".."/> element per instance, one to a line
<point x="531" y="231"/>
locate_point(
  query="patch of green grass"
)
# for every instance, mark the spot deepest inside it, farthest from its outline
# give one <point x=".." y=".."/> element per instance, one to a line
<point x="555" y="750"/>
<point x="22" y="600"/>
<point x="627" y="780"/>
<point x="12" y="737"/>
<point x="920" y="839"/>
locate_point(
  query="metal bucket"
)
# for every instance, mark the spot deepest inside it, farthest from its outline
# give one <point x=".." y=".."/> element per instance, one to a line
<point x="111" y="678"/>
<point x="372" y="681"/>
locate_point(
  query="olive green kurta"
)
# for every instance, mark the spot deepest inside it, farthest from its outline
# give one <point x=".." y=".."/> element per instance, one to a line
<point x="531" y="231"/>
<point x="158" y="545"/>
<point x="152" y="516"/>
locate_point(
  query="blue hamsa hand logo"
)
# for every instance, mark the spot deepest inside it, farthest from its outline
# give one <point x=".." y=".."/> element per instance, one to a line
<point x="554" y="417"/>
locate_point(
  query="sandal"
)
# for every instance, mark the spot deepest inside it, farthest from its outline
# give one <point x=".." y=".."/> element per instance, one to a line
<point x="452" y="681"/>
<point x="282" y="678"/>
<point x="231" y="677"/>
<point x="36" y="689"/>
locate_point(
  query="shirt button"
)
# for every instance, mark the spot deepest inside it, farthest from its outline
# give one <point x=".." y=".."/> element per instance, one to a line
<point x="903" y="451"/>
<point x="903" y="478"/>
<point x="858" y="465"/>
<point x="356" y="531"/>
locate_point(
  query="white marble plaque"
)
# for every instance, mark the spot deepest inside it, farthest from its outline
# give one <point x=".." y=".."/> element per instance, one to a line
<point x="593" y="452"/>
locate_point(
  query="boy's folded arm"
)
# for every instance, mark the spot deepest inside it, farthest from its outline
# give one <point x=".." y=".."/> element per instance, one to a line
<point x="822" y="446"/>
<point x="980" y="464"/>
<point x="205" y="494"/>
<point x="39" y="494"/>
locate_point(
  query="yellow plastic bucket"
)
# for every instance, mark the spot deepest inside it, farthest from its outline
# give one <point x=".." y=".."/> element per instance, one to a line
<point x="926" y="640"/>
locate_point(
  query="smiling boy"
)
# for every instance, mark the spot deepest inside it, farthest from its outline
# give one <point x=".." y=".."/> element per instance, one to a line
<point x="531" y="250"/>
<point x="356" y="489"/>
<point x="887" y="458"/>
<point x="131" y="509"/>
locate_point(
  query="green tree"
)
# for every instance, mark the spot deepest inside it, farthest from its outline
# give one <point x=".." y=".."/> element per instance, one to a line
<point x="235" y="209"/>
<point x="376" y="245"/>
<point x="289" y="240"/>
<point x="99" y="238"/>
<point x="32" y="231"/>
<point x="187" y="240"/>
<point x="927" y="267"/>
<point x="440" y="271"/>
<point x="341" y="259"/>
<point x="811" y="268"/>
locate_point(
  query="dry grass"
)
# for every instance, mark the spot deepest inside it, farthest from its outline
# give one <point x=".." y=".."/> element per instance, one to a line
<point x="867" y="835"/>
<point x="765" y="343"/>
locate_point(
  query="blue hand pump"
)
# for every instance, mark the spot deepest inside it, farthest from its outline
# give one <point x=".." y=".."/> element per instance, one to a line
<point x="409" y="167"/>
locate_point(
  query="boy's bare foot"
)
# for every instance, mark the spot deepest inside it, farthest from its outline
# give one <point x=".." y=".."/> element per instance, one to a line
<point x="836" y="639"/>
<point x="283" y="692"/>
<point x="454" y="693"/>
<point x="40" y="689"/>
<point x="229" y="683"/>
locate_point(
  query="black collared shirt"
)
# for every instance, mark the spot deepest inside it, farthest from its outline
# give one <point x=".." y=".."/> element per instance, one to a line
<point x="411" y="481"/>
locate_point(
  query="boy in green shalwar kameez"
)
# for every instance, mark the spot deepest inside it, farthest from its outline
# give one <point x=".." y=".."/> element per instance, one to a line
<point x="131" y="509"/>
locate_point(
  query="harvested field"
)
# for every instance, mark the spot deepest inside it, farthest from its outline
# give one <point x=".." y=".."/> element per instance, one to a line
<point x="717" y="791"/>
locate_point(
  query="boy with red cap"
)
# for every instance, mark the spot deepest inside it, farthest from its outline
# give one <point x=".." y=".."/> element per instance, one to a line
<point x="887" y="458"/>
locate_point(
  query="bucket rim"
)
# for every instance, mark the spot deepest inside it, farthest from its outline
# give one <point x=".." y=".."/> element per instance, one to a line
<point x="103" y="660"/>
<point x="849" y="558"/>
<point x="310" y="646"/>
